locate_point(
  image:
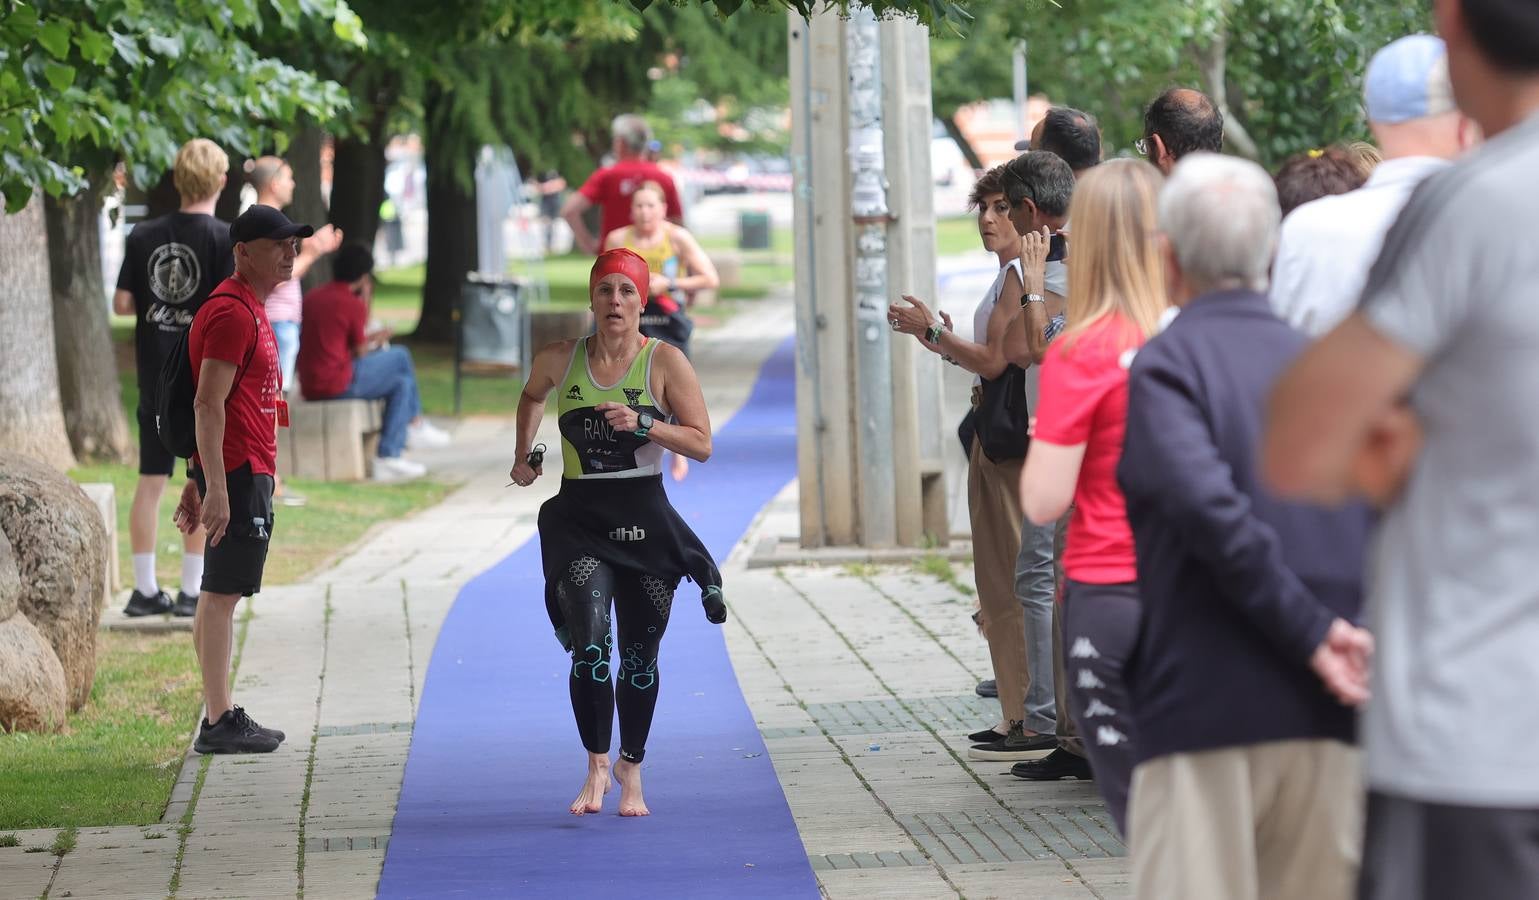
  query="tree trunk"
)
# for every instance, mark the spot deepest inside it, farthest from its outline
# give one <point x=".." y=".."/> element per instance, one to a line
<point x="971" y="155"/>
<point x="1213" y="60"/>
<point x="451" y="238"/>
<point x="309" y="205"/>
<point x="88" y="379"/>
<point x="358" y="163"/>
<point x="358" y="188"/>
<point x="29" y="373"/>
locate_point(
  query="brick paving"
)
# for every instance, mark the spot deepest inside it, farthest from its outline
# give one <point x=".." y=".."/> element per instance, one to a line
<point x="859" y="679"/>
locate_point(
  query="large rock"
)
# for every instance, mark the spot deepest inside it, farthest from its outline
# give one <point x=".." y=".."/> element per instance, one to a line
<point x="32" y="684"/>
<point x="10" y="579"/>
<point x="59" y="544"/>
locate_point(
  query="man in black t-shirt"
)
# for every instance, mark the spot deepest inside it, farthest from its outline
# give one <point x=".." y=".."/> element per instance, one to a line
<point x="170" y="265"/>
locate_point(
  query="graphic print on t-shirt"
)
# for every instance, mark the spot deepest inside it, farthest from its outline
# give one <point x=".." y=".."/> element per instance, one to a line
<point x="174" y="273"/>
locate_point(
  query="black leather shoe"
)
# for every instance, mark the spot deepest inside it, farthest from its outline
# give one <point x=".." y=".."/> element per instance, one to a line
<point x="186" y="604"/>
<point x="1058" y="764"/>
<point x="157" y="604"/>
<point x="987" y="688"/>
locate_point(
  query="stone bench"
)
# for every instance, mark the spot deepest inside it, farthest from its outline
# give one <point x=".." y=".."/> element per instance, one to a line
<point x="330" y="440"/>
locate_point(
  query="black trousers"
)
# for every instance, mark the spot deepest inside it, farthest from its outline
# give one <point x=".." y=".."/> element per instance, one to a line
<point x="1100" y="629"/>
<point x="1437" y="851"/>
<point x="640" y="607"/>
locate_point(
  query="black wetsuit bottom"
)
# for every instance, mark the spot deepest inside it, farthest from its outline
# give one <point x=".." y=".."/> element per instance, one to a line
<point x="641" y="604"/>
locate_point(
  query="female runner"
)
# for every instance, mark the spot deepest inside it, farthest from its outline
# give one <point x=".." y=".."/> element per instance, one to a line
<point x="610" y="535"/>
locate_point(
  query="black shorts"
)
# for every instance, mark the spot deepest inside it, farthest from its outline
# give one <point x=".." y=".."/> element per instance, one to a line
<point x="154" y="458"/>
<point x="234" y="566"/>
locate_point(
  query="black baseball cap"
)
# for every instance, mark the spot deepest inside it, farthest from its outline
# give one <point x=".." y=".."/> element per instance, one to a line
<point x="261" y="222"/>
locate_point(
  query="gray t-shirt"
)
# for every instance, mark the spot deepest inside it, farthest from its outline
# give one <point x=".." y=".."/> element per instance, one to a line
<point x="1454" y="595"/>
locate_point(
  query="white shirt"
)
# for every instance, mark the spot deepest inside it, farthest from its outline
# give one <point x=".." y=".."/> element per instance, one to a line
<point x="1328" y="245"/>
<point x="986" y="308"/>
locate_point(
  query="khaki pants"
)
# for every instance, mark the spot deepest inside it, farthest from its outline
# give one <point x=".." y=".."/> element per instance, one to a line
<point x="994" y="505"/>
<point x="1278" y="820"/>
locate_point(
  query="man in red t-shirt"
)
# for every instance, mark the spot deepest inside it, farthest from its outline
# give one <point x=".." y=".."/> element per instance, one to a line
<point x="611" y="187"/>
<point x="237" y="411"/>
<point x="339" y="358"/>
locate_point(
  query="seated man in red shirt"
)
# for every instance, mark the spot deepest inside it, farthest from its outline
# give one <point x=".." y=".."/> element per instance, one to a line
<point x="338" y="359"/>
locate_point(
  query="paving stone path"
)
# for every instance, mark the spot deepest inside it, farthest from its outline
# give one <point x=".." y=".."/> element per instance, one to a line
<point x="859" y="677"/>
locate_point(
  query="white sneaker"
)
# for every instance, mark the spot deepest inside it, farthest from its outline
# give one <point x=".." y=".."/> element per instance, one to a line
<point x="394" y="468"/>
<point x="426" y="436"/>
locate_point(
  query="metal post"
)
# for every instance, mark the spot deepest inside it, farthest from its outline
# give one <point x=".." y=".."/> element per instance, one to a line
<point x="1019" y="73"/>
<point x="872" y="334"/>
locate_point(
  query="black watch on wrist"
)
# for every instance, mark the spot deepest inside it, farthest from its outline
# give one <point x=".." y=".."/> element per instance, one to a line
<point x="644" y="424"/>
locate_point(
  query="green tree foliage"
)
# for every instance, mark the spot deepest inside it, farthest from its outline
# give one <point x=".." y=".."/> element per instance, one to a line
<point x="1289" y="71"/>
<point x="84" y="83"/>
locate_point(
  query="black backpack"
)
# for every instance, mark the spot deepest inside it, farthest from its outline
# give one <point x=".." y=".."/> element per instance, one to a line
<point x="175" y="423"/>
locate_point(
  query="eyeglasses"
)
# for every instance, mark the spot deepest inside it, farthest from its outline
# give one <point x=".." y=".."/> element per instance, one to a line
<point x="1025" y="189"/>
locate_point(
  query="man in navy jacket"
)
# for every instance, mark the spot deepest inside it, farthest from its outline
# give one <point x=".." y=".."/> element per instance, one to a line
<point x="1247" y="663"/>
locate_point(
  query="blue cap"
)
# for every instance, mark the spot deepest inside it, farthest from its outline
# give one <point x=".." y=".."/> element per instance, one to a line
<point x="1408" y="79"/>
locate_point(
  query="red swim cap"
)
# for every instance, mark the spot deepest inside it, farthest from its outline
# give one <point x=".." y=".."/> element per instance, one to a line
<point x="625" y="262"/>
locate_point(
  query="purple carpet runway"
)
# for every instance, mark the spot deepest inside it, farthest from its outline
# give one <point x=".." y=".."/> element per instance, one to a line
<point x="495" y="759"/>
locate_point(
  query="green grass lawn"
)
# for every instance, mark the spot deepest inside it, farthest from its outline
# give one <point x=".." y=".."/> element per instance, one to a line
<point x="118" y="758"/>
<point x="957" y="235"/>
<point x="336" y="515"/>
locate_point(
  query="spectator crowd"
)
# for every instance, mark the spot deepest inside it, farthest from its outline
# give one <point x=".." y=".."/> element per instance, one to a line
<point x="1262" y="538"/>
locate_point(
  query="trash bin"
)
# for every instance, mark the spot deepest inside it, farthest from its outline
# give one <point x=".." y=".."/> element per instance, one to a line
<point x="493" y="329"/>
<point x="753" y="230"/>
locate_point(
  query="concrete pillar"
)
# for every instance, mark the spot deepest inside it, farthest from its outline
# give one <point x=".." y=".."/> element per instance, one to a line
<point x="871" y="433"/>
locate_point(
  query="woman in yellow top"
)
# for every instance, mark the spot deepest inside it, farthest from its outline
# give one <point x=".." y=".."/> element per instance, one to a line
<point x="610" y="535"/>
<point x="669" y="250"/>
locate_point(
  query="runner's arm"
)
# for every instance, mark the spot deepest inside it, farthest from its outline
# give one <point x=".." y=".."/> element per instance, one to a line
<point x="690" y="435"/>
<point x="123" y="302"/>
<point x="572" y="211"/>
<point x="702" y="272"/>
<point x="544" y="372"/>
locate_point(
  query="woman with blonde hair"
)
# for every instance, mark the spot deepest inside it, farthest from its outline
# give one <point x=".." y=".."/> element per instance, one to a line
<point x="1116" y="300"/>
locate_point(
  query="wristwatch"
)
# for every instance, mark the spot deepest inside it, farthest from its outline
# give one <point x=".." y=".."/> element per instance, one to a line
<point x="644" y="424"/>
<point x="934" y="332"/>
<point x="1032" y="298"/>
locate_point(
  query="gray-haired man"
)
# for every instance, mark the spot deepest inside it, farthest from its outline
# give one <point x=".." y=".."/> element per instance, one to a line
<point x="610" y="188"/>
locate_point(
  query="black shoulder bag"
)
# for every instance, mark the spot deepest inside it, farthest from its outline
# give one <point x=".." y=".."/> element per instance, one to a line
<point x="1002" y="416"/>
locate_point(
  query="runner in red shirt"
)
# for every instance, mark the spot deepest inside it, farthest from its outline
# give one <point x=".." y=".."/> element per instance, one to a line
<point x="1116" y="298"/>
<point x="610" y="188"/>
<point x="238" y="409"/>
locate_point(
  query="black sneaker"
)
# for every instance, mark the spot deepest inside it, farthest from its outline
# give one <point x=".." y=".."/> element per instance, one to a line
<point x="234" y="733"/>
<point x="157" y="604"/>
<point x="1015" y="745"/>
<point x="273" y="732"/>
<point x="186" y="604"/>
<point x="987" y="735"/>
<point x="988" y="688"/>
<point x="1058" y="764"/>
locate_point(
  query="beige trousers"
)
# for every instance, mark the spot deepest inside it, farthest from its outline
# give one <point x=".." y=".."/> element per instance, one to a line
<point x="1275" y="821"/>
<point x="994" y="505"/>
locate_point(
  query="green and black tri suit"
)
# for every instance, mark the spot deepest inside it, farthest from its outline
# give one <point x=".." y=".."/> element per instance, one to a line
<point x="611" y="535"/>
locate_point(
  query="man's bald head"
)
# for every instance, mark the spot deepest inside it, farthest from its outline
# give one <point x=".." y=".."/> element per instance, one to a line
<point x="1185" y="121"/>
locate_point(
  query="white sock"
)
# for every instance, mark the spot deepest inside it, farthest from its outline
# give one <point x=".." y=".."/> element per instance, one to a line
<point x="192" y="574"/>
<point x="144" y="574"/>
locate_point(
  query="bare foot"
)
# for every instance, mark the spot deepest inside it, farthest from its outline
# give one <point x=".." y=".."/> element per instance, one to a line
<point x="591" y="800"/>
<point x="680" y="466"/>
<point x="629" y="776"/>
